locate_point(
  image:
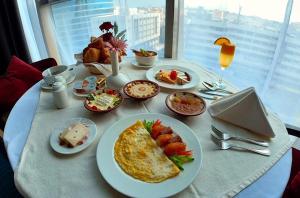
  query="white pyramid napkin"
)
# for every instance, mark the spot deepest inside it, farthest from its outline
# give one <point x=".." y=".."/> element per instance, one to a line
<point x="245" y="110"/>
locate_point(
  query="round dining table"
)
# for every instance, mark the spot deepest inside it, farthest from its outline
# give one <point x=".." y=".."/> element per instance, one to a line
<point x="17" y="129"/>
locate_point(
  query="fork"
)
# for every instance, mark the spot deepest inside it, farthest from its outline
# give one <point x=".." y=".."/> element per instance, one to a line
<point x="226" y="136"/>
<point x="223" y="145"/>
<point x="214" y="88"/>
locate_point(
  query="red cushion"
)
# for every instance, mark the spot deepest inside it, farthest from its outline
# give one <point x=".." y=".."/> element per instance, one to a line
<point x="23" y="71"/>
<point x="19" y="77"/>
<point x="293" y="186"/>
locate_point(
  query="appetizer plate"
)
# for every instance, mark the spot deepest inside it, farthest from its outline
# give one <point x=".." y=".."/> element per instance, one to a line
<point x="141" y="89"/>
<point x="90" y="104"/>
<point x="186" y="103"/>
<point x="150" y="74"/>
<point x="69" y="80"/>
<point x="126" y="184"/>
<point x="54" y="138"/>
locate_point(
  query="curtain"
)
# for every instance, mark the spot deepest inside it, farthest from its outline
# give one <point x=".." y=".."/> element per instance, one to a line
<point x="267" y="38"/>
<point x="12" y="39"/>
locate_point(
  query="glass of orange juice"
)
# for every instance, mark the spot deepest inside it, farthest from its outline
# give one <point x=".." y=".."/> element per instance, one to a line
<point x="226" y="56"/>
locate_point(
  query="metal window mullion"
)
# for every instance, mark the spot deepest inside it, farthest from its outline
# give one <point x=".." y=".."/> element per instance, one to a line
<point x="169" y="23"/>
<point x="279" y="45"/>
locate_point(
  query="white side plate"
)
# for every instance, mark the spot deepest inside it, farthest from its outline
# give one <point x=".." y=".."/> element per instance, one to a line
<point x="69" y="80"/>
<point x="54" y="138"/>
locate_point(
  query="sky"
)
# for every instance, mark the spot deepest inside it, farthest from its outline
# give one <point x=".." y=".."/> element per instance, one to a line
<point x="268" y="9"/>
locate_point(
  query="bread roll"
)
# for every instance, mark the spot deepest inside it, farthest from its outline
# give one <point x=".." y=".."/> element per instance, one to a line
<point x="91" y="55"/>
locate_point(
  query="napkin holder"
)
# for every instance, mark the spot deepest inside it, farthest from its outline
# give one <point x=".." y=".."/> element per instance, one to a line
<point x="243" y="109"/>
<point x="116" y="80"/>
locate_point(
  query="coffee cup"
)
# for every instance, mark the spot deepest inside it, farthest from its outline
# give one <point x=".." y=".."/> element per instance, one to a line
<point x="52" y="73"/>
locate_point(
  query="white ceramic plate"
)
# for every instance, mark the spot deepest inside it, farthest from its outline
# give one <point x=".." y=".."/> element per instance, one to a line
<point x="150" y="74"/>
<point x="126" y="184"/>
<point x="69" y="80"/>
<point x="54" y="138"/>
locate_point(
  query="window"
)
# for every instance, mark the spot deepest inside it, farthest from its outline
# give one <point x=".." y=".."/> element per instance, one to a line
<point x="76" y="21"/>
<point x="266" y="34"/>
<point x="267" y="47"/>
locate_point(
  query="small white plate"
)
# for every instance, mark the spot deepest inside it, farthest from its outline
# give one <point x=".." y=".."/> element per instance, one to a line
<point x="69" y="80"/>
<point x="129" y="186"/>
<point x="150" y="74"/>
<point x="135" y="64"/>
<point x="54" y="138"/>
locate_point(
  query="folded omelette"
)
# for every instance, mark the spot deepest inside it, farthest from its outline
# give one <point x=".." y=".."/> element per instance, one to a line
<point x="140" y="157"/>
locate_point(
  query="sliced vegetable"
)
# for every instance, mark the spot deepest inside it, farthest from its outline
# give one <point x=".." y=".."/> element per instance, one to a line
<point x="185" y="153"/>
<point x="180" y="160"/>
<point x="163" y="139"/>
<point x="175" y="138"/>
<point x="176" y="162"/>
<point x="156" y="130"/>
<point x="148" y="125"/>
<point x="173" y="148"/>
<point x="170" y="142"/>
<point x="166" y="130"/>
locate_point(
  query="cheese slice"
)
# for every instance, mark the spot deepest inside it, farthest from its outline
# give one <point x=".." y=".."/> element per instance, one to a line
<point x="75" y="134"/>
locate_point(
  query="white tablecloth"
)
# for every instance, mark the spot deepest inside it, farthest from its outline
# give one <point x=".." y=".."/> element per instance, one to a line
<point x="19" y="124"/>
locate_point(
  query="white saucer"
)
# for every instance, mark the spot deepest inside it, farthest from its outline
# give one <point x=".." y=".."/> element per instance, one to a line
<point x="135" y="64"/>
<point x="70" y="79"/>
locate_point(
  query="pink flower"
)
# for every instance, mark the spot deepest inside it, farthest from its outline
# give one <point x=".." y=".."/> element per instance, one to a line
<point x="116" y="44"/>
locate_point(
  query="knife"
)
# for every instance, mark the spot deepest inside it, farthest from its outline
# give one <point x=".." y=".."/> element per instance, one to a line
<point x="214" y="93"/>
<point x="209" y="97"/>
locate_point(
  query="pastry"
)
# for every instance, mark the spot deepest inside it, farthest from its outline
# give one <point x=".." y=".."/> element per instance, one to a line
<point x="91" y="55"/>
<point x="74" y="135"/>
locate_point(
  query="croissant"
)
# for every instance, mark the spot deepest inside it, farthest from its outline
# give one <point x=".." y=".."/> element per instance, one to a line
<point x="91" y="55"/>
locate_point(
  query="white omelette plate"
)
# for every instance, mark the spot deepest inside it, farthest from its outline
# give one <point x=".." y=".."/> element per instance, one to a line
<point x="54" y="138"/>
<point x="126" y="184"/>
<point x="150" y="74"/>
<point x="70" y="79"/>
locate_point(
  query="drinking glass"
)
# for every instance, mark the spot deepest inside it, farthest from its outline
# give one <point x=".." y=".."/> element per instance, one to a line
<point x="226" y="57"/>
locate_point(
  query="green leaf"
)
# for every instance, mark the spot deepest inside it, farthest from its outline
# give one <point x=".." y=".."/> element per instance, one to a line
<point x="148" y="125"/>
<point x="176" y="162"/>
<point x="90" y="97"/>
<point x="116" y="28"/>
<point x="123" y="37"/>
<point x="183" y="158"/>
<point x="144" y="52"/>
<point x="179" y="160"/>
<point x="121" y="34"/>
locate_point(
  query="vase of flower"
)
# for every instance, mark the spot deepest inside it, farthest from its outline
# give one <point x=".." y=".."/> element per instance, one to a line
<point x="116" y="80"/>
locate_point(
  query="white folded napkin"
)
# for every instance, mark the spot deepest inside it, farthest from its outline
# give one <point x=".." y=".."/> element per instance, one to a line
<point x="245" y="110"/>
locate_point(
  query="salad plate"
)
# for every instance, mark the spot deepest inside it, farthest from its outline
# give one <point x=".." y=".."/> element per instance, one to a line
<point x="116" y="177"/>
<point x="193" y="78"/>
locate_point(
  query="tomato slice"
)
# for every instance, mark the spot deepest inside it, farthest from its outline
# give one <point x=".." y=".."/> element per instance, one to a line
<point x="175" y="138"/>
<point x="156" y="131"/>
<point x="163" y="139"/>
<point x="157" y="122"/>
<point x="174" y="147"/>
<point x="173" y="75"/>
<point x="185" y="153"/>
